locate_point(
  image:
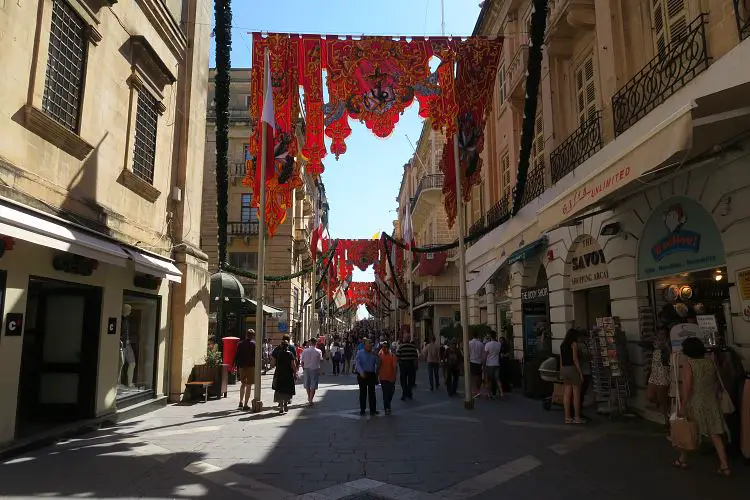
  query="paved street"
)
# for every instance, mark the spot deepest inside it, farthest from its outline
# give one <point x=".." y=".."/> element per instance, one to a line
<point x="430" y="448"/>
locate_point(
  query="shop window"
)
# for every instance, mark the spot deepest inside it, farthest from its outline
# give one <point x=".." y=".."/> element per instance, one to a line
<point x="670" y="22"/>
<point x="586" y="90"/>
<point x="139" y="325"/>
<point x="247" y="212"/>
<point x="66" y="64"/>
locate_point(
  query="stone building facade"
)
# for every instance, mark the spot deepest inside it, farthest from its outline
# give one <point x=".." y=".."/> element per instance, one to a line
<point x="103" y="284"/>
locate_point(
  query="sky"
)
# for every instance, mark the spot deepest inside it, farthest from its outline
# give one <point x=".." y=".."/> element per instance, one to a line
<point x="363" y="184"/>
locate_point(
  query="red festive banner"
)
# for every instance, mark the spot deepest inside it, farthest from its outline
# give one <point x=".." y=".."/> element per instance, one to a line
<point x="478" y="59"/>
<point x="363" y="253"/>
<point x="311" y="72"/>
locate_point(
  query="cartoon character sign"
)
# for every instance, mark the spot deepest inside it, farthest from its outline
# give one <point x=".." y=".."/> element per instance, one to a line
<point x="677" y="239"/>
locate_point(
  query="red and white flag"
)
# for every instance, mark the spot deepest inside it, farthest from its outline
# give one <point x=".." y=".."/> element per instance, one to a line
<point x="268" y="121"/>
<point x="408" y="228"/>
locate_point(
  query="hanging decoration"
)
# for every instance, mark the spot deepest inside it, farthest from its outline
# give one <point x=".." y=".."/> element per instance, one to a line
<point x="373" y="80"/>
<point x="432" y="264"/>
<point x="363" y="253"/>
<point x="478" y="59"/>
<point x="284" y="52"/>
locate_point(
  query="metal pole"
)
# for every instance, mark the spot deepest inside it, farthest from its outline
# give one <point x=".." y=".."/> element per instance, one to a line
<point x="257" y="404"/>
<point x="410" y="258"/>
<point x="442" y="16"/>
<point x="468" y="400"/>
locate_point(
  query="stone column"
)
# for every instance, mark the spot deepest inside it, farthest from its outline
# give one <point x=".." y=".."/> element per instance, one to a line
<point x="473" y="310"/>
<point x="492" y="319"/>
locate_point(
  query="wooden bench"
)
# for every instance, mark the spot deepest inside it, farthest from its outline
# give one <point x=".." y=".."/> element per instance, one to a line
<point x="204" y="384"/>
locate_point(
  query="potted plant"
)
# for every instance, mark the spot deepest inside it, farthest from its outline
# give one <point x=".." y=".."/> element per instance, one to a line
<point x="214" y="370"/>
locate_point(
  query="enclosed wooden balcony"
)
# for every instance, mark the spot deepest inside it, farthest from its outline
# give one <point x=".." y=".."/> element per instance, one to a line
<point x="428" y="195"/>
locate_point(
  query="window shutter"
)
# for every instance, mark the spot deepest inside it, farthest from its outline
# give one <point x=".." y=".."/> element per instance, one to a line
<point x="670" y="22"/>
<point x="537" y="147"/>
<point x="505" y="182"/>
<point x="586" y="90"/>
<point x="501" y="82"/>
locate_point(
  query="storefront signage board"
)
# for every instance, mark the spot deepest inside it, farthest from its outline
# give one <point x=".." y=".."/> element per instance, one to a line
<point x="743" y="288"/>
<point x="588" y="267"/>
<point x="679" y="236"/>
<point x="534" y="294"/>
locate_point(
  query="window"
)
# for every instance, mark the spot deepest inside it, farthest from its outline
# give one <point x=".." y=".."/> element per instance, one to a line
<point x="244" y="260"/>
<point x="63" y="84"/>
<point x="247" y="213"/>
<point x="146" y="119"/>
<point x="586" y="90"/>
<point x="248" y="100"/>
<point x="501" y="82"/>
<point x="296" y="302"/>
<point x="670" y="22"/>
<point x="246" y="151"/>
<point x="505" y="174"/>
<point x="537" y="147"/>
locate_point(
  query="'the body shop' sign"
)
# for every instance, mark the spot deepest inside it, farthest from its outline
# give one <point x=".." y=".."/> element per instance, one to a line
<point x="588" y="267"/>
<point x="679" y="236"/>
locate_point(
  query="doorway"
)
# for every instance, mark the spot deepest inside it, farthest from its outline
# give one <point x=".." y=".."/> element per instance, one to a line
<point x="590" y="304"/>
<point x="60" y="353"/>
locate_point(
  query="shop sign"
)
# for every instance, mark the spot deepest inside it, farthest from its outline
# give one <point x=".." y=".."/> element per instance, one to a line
<point x="679" y="236"/>
<point x="588" y="267"/>
<point x="591" y="192"/>
<point x="534" y="294"/>
<point x="743" y="285"/>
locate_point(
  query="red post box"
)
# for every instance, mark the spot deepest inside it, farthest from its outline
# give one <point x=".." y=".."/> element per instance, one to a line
<point x="230" y="350"/>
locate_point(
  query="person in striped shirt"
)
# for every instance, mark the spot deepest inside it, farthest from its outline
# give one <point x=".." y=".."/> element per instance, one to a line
<point x="408" y="356"/>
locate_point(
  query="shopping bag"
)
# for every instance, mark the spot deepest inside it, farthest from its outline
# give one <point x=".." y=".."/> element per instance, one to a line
<point x="683" y="433"/>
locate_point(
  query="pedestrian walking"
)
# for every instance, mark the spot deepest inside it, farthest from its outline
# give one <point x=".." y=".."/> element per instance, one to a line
<point x="311" y="360"/>
<point x="336" y="357"/>
<point x="284" y="375"/>
<point x="454" y="362"/>
<point x="408" y="359"/>
<point x="267" y="349"/>
<point x="476" y="358"/>
<point x="367" y="369"/>
<point x="387" y="375"/>
<point x="348" y="354"/>
<point x="432" y="357"/>
<point x="492" y="366"/>
<point x="244" y="360"/>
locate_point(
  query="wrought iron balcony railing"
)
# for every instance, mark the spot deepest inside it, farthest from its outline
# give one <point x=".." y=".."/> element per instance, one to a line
<point x="446" y="294"/>
<point x="742" y="14"/>
<point x="478" y="226"/>
<point x="677" y="63"/>
<point x="431" y="181"/>
<point x="534" y="185"/>
<point x="499" y="212"/>
<point x="249" y="228"/>
<point x="577" y="148"/>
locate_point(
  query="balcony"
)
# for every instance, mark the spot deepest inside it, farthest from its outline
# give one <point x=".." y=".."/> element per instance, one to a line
<point x="301" y="234"/>
<point x="577" y="148"/>
<point x="237" y="169"/>
<point x="428" y="194"/>
<point x="236" y="116"/>
<point x="437" y="294"/>
<point x="477" y="228"/>
<point x="566" y="19"/>
<point x="499" y="212"/>
<point x="743" y="19"/>
<point x="242" y="229"/>
<point x="678" y="63"/>
<point x="534" y="185"/>
<point x="515" y="77"/>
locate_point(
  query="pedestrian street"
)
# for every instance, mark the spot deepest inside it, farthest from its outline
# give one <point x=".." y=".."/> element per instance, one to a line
<point x="429" y="448"/>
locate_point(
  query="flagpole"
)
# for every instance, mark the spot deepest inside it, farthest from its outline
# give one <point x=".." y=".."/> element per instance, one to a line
<point x="464" y="305"/>
<point x="257" y="402"/>
<point x="411" y="297"/>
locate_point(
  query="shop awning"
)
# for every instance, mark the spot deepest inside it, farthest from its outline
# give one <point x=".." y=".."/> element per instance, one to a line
<point x="266" y="308"/>
<point x="155" y="266"/>
<point x="711" y="110"/>
<point x="528" y="250"/>
<point x="483" y="275"/>
<point x="43" y="231"/>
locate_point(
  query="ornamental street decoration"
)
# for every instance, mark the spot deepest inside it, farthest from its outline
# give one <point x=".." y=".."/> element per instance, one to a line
<point x="372" y="80"/>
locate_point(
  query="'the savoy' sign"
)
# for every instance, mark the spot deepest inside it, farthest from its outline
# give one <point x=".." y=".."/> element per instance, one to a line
<point x="588" y="267"/>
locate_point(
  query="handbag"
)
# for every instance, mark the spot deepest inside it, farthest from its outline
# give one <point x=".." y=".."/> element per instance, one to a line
<point x="652" y="393"/>
<point x="725" y="400"/>
<point x="682" y="432"/>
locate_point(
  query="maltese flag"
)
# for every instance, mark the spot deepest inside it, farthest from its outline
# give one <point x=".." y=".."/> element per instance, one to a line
<point x="268" y="121"/>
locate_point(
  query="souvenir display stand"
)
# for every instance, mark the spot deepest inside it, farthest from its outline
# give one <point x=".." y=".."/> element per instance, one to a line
<point x="609" y="366"/>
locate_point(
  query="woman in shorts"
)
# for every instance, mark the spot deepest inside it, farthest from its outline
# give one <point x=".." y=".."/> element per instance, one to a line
<point x="572" y="376"/>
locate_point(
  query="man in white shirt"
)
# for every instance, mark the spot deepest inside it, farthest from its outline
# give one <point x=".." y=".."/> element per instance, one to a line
<point x="311" y="358"/>
<point x="476" y="358"/>
<point x="492" y="352"/>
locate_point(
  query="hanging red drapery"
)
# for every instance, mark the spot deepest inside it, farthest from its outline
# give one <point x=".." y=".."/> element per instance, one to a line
<point x="477" y="60"/>
<point x="363" y="253"/>
<point x="373" y="80"/>
<point x="283" y="51"/>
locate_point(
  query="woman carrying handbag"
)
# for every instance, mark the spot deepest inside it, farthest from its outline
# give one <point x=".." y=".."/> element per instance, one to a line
<point x="698" y="408"/>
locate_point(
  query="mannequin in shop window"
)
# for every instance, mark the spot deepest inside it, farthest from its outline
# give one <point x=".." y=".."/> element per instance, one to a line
<point x="127" y="356"/>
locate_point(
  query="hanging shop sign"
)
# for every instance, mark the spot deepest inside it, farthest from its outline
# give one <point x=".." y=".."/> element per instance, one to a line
<point x="588" y="267"/>
<point x="535" y="294"/>
<point x="679" y="236"/>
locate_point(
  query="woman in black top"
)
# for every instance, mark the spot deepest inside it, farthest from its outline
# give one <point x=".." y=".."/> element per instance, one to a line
<point x="571" y="375"/>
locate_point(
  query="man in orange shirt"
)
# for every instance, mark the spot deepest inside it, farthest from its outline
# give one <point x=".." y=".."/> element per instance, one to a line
<point x="387" y="375"/>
